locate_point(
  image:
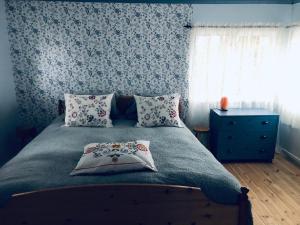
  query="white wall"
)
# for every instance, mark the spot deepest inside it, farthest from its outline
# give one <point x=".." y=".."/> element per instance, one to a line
<point x="220" y="14"/>
<point x="7" y="92"/>
<point x="289" y="142"/>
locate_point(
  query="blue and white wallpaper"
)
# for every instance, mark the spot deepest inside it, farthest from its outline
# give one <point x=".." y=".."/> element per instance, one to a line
<point x="94" y="48"/>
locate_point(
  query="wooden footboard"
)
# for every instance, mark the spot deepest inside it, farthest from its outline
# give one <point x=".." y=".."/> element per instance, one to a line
<point x="121" y="205"/>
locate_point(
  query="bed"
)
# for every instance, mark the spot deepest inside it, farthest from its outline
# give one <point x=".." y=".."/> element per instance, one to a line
<point x="190" y="187"/>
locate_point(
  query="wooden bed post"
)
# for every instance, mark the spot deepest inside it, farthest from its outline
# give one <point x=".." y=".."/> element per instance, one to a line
<point x="243" y="206"/>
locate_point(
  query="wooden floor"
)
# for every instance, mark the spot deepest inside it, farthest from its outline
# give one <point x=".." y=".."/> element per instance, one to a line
<point x="274" y="190"/>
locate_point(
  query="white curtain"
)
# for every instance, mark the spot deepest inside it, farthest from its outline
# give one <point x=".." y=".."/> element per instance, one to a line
<point x="249" y="65"/>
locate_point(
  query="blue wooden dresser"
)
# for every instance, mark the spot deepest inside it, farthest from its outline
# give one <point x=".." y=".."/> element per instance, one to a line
<point x="243" y="134"/>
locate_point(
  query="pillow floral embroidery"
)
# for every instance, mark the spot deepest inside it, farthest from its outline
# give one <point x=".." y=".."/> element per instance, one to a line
<point x="158" y="111"/>
<point x="88" y="110"/>
<point x="115" y="157"/>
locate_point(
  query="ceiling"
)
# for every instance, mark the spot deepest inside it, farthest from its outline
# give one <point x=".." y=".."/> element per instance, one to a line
<point x="194" y="1"/>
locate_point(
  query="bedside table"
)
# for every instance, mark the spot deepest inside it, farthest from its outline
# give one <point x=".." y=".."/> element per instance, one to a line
<point x="243" y="134"/>
<point x="200" y="132"/>
<point x="25" y="135"/>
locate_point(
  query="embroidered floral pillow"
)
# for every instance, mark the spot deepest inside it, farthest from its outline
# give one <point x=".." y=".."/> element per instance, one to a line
<point x="158" y="111"/>
<point x="88" y="110"/>
<point x="100" y="158"/>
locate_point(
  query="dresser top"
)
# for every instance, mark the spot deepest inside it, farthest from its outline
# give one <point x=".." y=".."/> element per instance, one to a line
<point x="244" y="112"/>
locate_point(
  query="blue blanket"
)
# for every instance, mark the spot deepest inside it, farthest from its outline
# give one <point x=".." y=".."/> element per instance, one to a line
<point x="180" y="158"/>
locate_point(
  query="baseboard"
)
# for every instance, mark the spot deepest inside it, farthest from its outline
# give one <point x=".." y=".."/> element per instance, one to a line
<point x="288" y="155"/>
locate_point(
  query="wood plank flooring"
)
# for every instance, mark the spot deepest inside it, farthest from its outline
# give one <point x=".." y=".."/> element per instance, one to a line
<point x="274" y="190"/>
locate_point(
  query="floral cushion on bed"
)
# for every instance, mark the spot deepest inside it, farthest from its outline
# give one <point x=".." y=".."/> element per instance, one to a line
<point x="100" y="158"/>
<point x="88" y="110"/>
<point x="158" y="111"/>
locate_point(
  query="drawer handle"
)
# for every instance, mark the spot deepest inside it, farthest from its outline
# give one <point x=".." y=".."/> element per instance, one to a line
<point x="264" y="137"/>
<point x="265" y="122"/>
<point x="232" y="122"/>
<point x="262" y="150"/>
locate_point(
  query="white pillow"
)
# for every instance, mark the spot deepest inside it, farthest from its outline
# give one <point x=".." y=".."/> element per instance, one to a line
<point x="158" y="111"/>
<point x="101" y="158"/>
<point x="88" y="110"/>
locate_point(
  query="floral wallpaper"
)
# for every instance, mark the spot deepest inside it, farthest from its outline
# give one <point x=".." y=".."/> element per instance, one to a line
<point x="95" y="48"/>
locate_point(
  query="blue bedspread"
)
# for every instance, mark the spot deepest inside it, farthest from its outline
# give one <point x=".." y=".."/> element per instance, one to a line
<point x="47" y="161"/>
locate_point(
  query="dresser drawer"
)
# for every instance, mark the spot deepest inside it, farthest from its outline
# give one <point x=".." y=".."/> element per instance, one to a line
<point x="245" y="145"/>
<point x="261" y="138"/>
<point x="243" y="151"/>
<point x="232" y="123"/>
<point x="261" y="123"/>
<point x="230" y="145"/>
<point x="226" y="153"/>
<point x="265" y="152"/>
<point x="249" y="123"/>
<point x="247" y="138"/>
<point x="230" y="139"/>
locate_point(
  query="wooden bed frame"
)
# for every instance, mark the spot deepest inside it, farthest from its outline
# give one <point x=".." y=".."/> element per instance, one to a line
<point x="122" y="204"/>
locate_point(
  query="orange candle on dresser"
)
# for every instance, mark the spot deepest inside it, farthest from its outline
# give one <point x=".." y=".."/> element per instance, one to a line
<point x="224" y="103"/>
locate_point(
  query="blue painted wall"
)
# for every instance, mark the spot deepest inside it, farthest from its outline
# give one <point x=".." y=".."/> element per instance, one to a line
<point x="7" y="93"/>
<point x="221" y="14"/>
<point x="193" y="1"/>
<point x="296" y="13"/>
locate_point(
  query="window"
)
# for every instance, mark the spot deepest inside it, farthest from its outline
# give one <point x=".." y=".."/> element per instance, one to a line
<point x="246" y="64"/>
